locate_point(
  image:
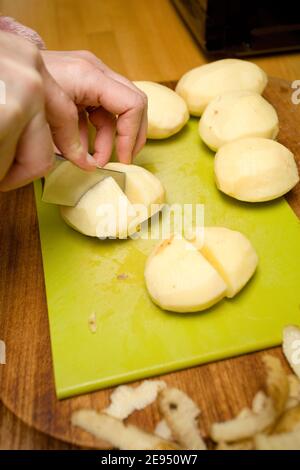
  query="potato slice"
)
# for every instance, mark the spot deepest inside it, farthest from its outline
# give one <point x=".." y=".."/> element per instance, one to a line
<point x="255" y="170"/>
<point x="180" y="279"/>
<point x="167" y="111"/>
<point x="201" y="84"/>
<point x="231" y="254"/>
<point x="237" y="115"/>
<point x="104" y="211"/>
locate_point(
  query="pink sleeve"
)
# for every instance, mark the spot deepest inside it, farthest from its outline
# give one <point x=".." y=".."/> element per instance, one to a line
<point x="10" y="25"/>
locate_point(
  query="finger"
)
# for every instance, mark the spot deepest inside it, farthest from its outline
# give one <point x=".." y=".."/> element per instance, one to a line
<point x="96" y="62"/>
<point x="83" y="130"/>
<point x="10" y="132"/>
<point x="34" y="156"/>
<point x="128" y="128"/>
<point x="100" y="90"/>
<point x="62" y="116"/>
<point x="105" y="125"/>
<point x="129" y="106"/>
<point x="142" y="134"/>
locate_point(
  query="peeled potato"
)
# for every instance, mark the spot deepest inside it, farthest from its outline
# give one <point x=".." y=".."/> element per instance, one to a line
<point x="231" y="254"/>
<point x="180" y="279"/>
<point x="184" y="276"/>
<point x="92" y="215"/>
<point x="255" y="169"/>
<point x="142" y="187"/>
<point x="237" y="115"/>
<point x="144" y="195"/>
<point x="167" y="111"/>
<point x="202" y="84"/>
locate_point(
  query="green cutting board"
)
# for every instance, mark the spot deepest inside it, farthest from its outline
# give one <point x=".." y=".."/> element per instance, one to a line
<point x="136" y="339"/>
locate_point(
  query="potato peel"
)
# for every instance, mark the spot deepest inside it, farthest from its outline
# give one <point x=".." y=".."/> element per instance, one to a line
<point x="180" y="413"/>
<point x="245" y="426"/>
<point x="285" y="441"/>
<point x="125" y="399"/>
<point x="118" y="434"/>
<point x="162" y="430"/>
<point x="294" y="392"/>
<point x="247" y="444"/>
<point x="259" y="401"/>
<point x="277" y="384"/>
<point x="288" y="421"/>
<point x="291" y="347"/>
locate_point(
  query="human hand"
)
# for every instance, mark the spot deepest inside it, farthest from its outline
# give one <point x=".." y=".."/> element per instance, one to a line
<point x="34" y="102"/>
<point x="112" y="103"/>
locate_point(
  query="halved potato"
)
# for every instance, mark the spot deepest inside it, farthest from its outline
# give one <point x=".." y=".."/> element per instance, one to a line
<point x="180" y="279"/>
<point x="144" y="196"/>
<point x="104" y="211"/>
<point x="167" y="111"/>
<point x="202" y="84"/>
<point x="236" y="115"/>
<point x="255" y="169"/>
<point x="231" y="254"/>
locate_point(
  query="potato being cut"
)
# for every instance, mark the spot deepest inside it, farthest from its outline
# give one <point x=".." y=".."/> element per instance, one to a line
<point x="144" y="195"/>
<point x="167" y="111"/>
<point x="202" y="84"/>
<point x="231" y="254"/>
<point x="255" y="170"/>
<point x="180" y="279"/>
<point x="236" y="115"/>
<point x="103" y="211"/>
<point x="142" y="187"/>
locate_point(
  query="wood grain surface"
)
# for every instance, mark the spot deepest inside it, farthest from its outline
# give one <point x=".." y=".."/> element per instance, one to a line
<point x="142" y="39"/>
<point x="221" y="389"/>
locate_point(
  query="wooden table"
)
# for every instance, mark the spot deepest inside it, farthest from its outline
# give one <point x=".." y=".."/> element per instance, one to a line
<point x="121" y="36"/>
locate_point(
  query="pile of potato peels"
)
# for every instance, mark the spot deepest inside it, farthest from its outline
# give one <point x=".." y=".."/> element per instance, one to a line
<point x="272" y="422"/>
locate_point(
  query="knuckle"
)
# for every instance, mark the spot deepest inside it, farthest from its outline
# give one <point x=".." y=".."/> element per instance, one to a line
<point x="144" y="98"/>
<point x="49" y="165"/>
<point x="86" y="54"/>
<point x="33" y="82"/>
<point x="15" y="111"/>
<point x="139" y="102"/>
<point x="34" y="55"/>
<point x="72" y="112"/>
<point x="80" y="67"/>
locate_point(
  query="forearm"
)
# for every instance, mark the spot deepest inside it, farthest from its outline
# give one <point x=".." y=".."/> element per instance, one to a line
<point x="10" y="25"/>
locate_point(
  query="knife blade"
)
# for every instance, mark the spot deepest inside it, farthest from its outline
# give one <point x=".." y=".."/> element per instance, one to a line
<point x="67" y="183"/>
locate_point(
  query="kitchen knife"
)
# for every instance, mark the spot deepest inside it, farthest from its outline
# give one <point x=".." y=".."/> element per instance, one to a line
<point x="59" y="188"/>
